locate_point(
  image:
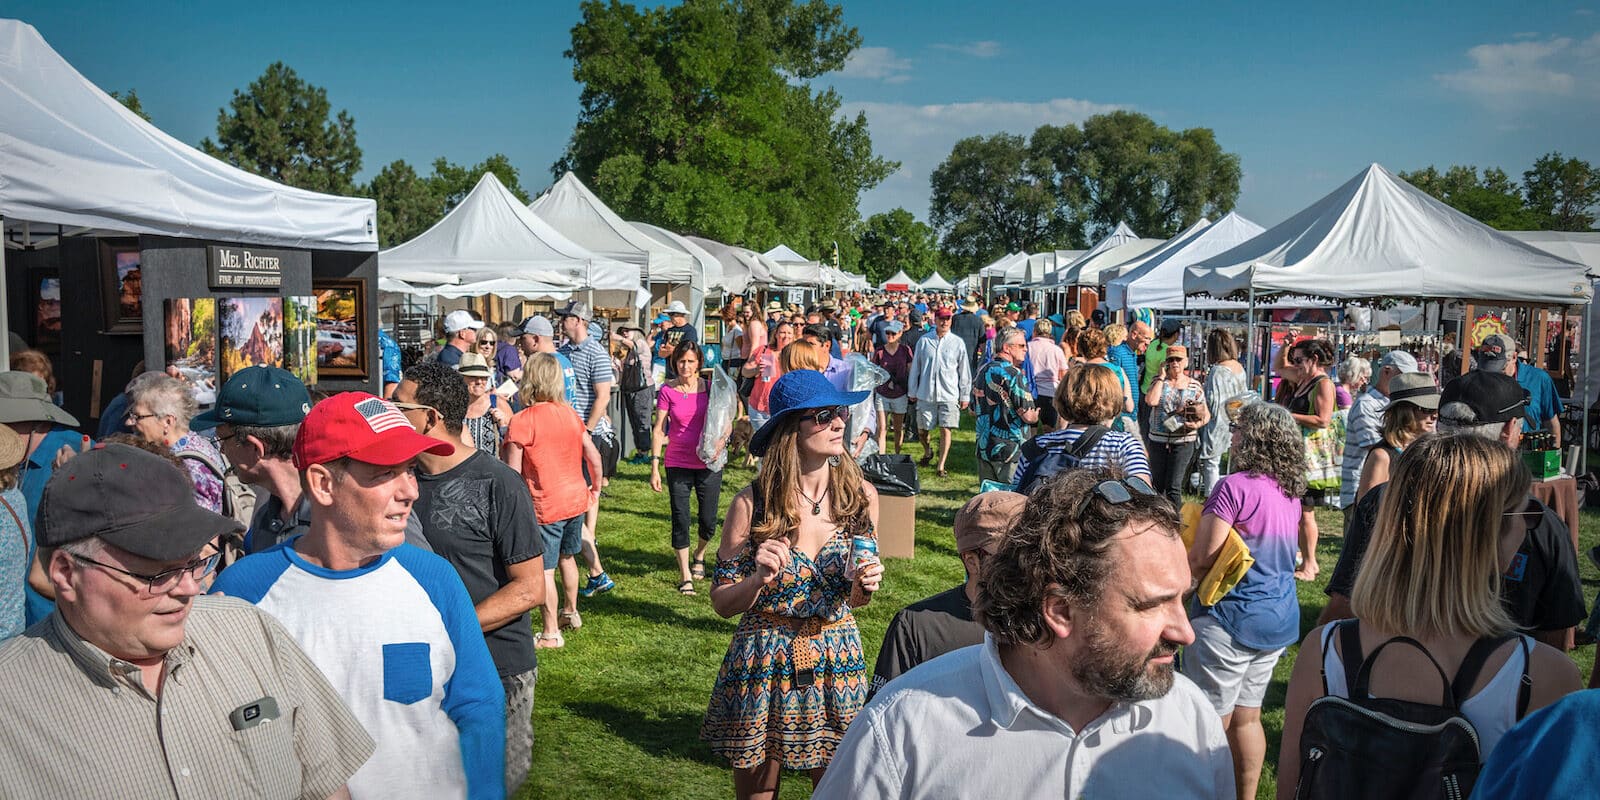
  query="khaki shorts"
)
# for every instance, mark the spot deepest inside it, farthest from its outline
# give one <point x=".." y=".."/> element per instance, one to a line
<point x="1230" y="674"/>
<point x="938" y="415"/>
<point x="892" y="405"/>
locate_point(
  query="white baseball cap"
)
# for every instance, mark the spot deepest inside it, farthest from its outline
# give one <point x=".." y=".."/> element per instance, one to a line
<point x="459" y="320"/>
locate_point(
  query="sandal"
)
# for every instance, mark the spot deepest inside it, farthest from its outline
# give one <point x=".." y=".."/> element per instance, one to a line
<point x="698" y="570"/>
<point x="570" y="619"/>
<point x="943" y="473"/>
<point x="686" y="589"/>
<point x="548" y="641"/>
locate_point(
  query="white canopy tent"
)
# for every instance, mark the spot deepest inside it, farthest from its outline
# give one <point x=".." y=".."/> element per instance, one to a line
<point x="706" y="273"/>
<point x="741" y="268"/>
<point x="73" y="156"/>
<point x="900" y="278"/>
<point x="581" y="216"/>
<point x="491" y="244"/>
<point x="1086" y="271"/>
<point x="937" y="283"/>
<point x="1157" y="282"/>
<point x="1111" y="273"/>
<point x="996" y="270"/>
<point x="793" y="269"/>
<point x="1378" y="236"/>
<point x="1584" y="248"/>
<point x="1058" y="277"/>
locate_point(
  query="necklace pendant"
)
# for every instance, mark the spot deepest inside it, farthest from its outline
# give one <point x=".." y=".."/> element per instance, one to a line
<point x="816" y="509"/>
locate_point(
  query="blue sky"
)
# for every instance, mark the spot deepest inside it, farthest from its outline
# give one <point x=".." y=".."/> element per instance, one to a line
<point x="1307" y="97"/>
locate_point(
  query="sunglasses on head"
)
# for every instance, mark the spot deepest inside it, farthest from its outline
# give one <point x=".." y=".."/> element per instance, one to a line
<point x="1116" y="492"/>
<point x="826" y="416"/>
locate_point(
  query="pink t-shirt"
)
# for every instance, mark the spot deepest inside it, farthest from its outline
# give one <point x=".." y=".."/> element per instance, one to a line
<point x="1048" y="361"/>
<point x="686" y="418"/>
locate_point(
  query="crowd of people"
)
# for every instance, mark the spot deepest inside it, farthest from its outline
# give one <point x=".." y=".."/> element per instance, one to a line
<point x="296" y="595"/>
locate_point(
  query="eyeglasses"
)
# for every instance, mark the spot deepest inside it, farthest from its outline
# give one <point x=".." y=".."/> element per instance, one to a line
<point x="1115" y="492"/>
<point x="826" y="416"/>
<point x="414" y="407"/>
<point x="167" y="580"/>
<point x="133" y="419"/>
<point x="486" y="342"/>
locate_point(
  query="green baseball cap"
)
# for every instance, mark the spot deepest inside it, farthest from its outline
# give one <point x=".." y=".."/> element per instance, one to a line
<point x="259" y="396"/>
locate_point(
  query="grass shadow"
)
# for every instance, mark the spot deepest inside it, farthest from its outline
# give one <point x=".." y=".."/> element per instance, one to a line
<point x="662" y="613"/>
<point x="657" y="735"/>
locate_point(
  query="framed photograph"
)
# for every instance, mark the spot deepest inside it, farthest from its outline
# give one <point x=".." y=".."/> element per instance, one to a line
<point x="249" y="332"/>
<point x="122" y="286"/>
<point x="341" y="325"/>
<point x="190" y="336"/>
<point x="300" y="337"/>
<point x="46" y="287"/>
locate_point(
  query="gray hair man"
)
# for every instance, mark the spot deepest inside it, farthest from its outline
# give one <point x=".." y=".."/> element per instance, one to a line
<point x="1083" y="608"/>
<point x="145" y="687"/>
<point x="1364" y="422"/>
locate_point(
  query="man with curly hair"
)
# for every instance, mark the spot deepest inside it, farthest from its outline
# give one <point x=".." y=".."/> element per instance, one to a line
<point x="1073" y="692"/>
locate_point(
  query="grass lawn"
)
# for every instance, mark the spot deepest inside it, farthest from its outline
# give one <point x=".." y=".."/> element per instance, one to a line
<point x="618" y="710"/>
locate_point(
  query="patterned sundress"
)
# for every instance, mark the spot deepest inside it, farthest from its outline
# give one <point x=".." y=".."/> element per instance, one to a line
<point x="756" y="712"/>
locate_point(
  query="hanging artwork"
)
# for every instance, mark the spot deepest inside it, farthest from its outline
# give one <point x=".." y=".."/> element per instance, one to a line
<point x="249" y="332"/>
<point x="341" y="327"/>
<point x="47" y="311"/>
<point x="190" y="325"/>
<point x="1485" y="325"/>
<point x="121" y="286"/>
<point x="300" y="337"/>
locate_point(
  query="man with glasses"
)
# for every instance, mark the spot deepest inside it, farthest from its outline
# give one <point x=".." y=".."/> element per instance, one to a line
<point x="941" y="381"/>
<point x="1074" y="688"/>
<point x="1004" y="408"/>
<point x="944" y="623"/>
<point x="391" y="626"/>
<point x="539" y="336"/>
<point x="1364" y="422"/>
<point x="137" y="686"/>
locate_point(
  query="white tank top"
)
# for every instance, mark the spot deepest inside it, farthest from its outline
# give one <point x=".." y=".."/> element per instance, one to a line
<point x="1492" y="711"/>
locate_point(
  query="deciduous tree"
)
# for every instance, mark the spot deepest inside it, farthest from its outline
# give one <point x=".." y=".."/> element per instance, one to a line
<point x="896" y="240"/>
<point x="701" y="117"/>
<point x="1562" y="192"/>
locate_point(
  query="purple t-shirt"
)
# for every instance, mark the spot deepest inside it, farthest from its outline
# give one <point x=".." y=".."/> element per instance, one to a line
<point x="686" y="418"/>
<point x="1263" y="611"/>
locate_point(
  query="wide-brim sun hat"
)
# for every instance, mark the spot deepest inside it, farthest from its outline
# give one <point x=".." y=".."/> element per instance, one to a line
<point x="677" y="307"/>
<point x="799" y="390"/>
<point x="12" y="448"/>
<point x="1416" y="388"/>
<point x="24" y="398"/>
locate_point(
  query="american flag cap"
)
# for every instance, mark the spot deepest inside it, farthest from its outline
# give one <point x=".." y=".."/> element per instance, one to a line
<point x="363" y="427"/>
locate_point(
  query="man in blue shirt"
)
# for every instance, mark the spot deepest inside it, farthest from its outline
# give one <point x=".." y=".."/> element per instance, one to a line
<point x="389" y="355"/>
<point x="25" y="406"/>
<point x="1498" y="353"/>
<point x="1004" y="408"/>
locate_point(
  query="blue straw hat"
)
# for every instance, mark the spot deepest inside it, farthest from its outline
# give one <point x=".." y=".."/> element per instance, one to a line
<point x="799" y="390"/>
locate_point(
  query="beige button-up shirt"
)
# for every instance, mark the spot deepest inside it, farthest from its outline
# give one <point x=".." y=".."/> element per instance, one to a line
<point x="80" y="723"/>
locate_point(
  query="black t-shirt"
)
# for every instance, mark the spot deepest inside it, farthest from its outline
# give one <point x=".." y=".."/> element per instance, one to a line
<point x="479" y="517"/>
<point x="1540" y="589"/>
<point x="924" y="631"/>
<point x="969" y="327"/>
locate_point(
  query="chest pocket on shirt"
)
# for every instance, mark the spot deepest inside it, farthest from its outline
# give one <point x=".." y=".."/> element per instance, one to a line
<point x="407" y="672"/>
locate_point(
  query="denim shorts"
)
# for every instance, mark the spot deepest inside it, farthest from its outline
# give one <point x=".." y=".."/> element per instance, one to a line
<point x="564" y="538"/>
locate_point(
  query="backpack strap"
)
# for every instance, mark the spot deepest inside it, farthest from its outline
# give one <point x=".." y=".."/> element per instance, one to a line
<point x="1524" y="686"/>
<point x="1360" y="689"/>
<point x="1090" y="437"/>
<point x="1472" y="663"/>
<point x="227" y="502"/>
<point x="1349" y="648"/>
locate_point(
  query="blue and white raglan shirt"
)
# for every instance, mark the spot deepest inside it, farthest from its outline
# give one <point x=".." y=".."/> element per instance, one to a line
<point x="400" y="641"/>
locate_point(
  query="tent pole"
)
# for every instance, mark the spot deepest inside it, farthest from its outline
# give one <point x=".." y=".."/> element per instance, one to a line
<point x="1250" y="337"/>
<point x="5" y="306"/>
<point x="1583" y="400"/>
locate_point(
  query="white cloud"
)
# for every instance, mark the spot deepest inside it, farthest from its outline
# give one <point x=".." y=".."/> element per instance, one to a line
<point x="1521" y="73"/>
<point x="920" y="137"/>
<point x="986" y="48"/>
<point x="877" y="63"/>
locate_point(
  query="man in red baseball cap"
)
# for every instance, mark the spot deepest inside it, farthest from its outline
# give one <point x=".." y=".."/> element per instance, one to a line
<point x="391" y="626"/>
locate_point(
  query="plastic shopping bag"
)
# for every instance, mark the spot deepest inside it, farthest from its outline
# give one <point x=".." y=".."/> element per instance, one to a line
<point x="720" y="408"/>
<point x="864" y="377"/>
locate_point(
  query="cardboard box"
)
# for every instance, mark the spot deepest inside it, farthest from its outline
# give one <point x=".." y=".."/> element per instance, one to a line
<point x="897" y="526"/>
<point x="1542" y="463"/>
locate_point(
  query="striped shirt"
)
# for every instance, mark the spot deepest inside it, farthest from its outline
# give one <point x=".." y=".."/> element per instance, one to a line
<point x="1117" y="449"/>
<point x="80" y="723"/>
<point x="591" y="365"/>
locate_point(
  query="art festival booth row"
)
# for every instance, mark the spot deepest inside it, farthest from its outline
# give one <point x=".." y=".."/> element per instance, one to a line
<point x="123" y="244"/>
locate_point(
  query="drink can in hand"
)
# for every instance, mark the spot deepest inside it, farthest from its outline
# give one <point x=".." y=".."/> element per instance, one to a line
<point x="863" y="551"/>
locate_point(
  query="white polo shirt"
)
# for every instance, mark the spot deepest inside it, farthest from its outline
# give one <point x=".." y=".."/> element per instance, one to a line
<point x="958" y="726"/>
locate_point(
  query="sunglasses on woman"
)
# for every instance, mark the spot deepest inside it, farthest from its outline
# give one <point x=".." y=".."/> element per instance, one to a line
<point x="826" y="416"/>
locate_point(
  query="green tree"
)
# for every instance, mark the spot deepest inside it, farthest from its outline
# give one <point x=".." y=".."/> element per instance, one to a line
<point x="1123" y="166"/>
<point x="1492" y="198"/>
<point x="990" y="197"/>
<point x="896" y="240"/>
<point x="280" y="128"/>
<point x="700" y="117"/>
<point x="409" y="204"/>
<point x="130" y="101"/>
<point x="1562" y="192"/>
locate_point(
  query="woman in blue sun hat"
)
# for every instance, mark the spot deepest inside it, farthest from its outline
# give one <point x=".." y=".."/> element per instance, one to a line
<point x="786" y="564"/>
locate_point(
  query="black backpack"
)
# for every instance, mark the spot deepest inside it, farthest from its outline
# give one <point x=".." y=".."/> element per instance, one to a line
<point x="1044" y="462"/>
<point x="1381" y="748"/>
<point x="633" y="374"/>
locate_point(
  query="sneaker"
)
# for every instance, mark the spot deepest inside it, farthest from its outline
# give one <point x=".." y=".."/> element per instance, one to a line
<point x="598" y="584"/>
